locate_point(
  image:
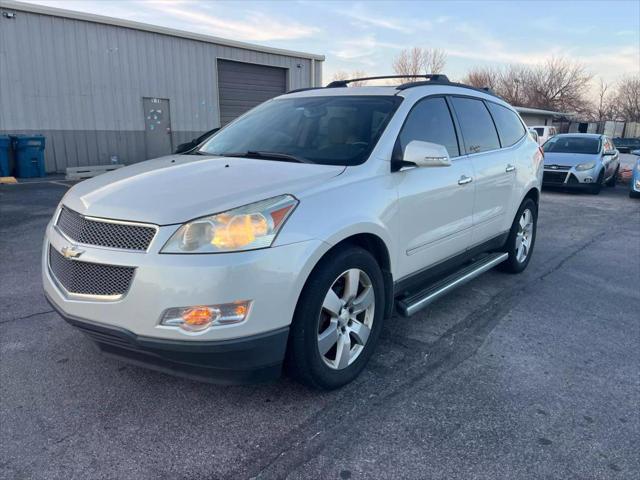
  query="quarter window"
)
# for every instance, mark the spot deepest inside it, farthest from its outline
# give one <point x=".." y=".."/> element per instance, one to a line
<point x="478" y="132"/>
<point x="430" y="121"/>
<point x="509" y="126"/>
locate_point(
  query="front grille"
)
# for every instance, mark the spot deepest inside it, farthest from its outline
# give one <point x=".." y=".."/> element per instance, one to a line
<point x="85" y="278"/>
<point x="558" y="167"/>
<point x="554" y="177"/>
<point x="104" y="233"/>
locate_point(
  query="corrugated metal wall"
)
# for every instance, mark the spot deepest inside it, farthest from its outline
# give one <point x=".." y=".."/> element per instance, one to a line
<point x="81" y="84"/>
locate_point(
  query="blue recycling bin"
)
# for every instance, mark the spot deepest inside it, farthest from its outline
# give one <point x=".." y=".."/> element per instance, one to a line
<point x="29" y="150"/>
<point x="5" y="146"/>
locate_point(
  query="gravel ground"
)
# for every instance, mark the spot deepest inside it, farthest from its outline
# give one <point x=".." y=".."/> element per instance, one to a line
<point x="528" y="376"/>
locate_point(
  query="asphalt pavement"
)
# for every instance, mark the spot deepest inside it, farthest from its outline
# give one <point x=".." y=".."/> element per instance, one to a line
<point x="534" y="375"/>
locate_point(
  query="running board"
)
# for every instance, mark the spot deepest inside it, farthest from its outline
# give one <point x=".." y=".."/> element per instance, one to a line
<point x="416" y="302"/>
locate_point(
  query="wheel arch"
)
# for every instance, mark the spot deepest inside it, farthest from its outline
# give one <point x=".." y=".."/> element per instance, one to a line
<point x="377" y="247"/>
<point x="533" y="194"/>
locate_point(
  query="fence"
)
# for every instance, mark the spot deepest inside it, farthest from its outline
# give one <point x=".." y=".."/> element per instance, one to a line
<point x="609" y="128"/>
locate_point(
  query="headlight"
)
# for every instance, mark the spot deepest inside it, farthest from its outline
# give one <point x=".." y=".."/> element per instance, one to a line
<point x="244" y="228"/>
<point x="585" y="166"/>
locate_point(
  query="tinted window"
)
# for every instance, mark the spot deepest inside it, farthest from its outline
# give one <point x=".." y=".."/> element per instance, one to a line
<point x="339" y="130"/>
<point x="430" y="121"/>
<point x="510" y="127"/>
<point x="478" y="132"/>
<point x="560" y="144"/>
<point x="540" y="131"/>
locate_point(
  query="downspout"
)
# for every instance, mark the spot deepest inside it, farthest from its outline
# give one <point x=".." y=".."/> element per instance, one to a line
<point x="313" y="72"/>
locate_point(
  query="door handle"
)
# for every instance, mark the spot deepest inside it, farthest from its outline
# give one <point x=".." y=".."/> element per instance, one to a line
<point x="510" y="168"/>
<point x="464" y="180"/>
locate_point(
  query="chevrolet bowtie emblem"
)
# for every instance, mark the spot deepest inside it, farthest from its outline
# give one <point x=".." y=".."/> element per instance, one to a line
<point x="71" y="252"/>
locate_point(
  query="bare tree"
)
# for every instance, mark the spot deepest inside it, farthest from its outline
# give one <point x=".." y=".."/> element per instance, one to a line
<point x="482" y="77"/>
<point x="513" y="84"/>
<point x="559" y="84"/>
<point x="604" y="108"/>
<point x="435" y="60"/>
<point x="627" y="99"/>
<point x="342" y="75"/>
<point x="510" y="82"/>
<point x="419" y="61"/>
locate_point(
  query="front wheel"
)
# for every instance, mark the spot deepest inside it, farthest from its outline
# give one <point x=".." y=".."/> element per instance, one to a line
<point x="612" y="181"/>
<point x="597" y="186"/>
<point x="521" y="238"/>
<point x="337" y="321"/>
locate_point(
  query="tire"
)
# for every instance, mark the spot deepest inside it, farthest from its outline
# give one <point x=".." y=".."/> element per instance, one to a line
<point x="634" y="194"/>
<point x="313" y="325"/>
<point x="612" y="181"/>
<point x="596" y="187"/>
<point x="516" y="263"/>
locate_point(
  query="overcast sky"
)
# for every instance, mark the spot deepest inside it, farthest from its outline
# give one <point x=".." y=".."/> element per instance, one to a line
<point x="366" y="36"/>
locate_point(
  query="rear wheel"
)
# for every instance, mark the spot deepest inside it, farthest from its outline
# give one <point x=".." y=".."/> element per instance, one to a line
<point x="337" y="321"/>
<point x="522" y="238"/>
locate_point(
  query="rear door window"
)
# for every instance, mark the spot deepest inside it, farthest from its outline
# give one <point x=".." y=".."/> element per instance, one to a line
<point x="509" y="126"/>
<point x="430" y="121"/>
<point x="478" y="131"/>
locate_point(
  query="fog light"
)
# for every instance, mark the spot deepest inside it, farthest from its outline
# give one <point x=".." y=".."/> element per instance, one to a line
<point x="637" y="183"/>
<point x="202" y="317"/>
<point x="588" y="180"/>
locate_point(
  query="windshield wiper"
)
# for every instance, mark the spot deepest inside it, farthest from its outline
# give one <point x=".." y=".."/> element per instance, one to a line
<point x="285" y="157"/>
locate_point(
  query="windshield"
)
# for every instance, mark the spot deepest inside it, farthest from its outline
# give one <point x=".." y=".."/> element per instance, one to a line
<point x="585" y="145"/>
<point x="340" y="130"/>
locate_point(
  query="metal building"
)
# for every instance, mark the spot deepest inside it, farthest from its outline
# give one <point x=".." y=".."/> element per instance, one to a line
<point x="536" y="117"/>
<point x="101" y="88"/>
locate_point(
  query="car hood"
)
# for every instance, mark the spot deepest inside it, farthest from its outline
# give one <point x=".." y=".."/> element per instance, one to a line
<point x="568" y="159"/>
<point x="178" y="188"/>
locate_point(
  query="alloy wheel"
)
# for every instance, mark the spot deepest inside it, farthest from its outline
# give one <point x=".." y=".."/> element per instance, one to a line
<point x="346" y="319"/>
<point x="524" y="237"/>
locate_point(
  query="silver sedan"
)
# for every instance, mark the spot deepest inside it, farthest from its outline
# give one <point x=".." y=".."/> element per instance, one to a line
<point x="580" y="160"/>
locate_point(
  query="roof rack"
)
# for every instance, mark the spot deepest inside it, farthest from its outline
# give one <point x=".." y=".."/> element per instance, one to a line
<point x="486" y="90"/>
<point x="430" y="77"/>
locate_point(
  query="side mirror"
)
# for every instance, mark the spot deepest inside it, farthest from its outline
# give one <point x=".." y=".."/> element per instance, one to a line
<point x="426" y="154"/>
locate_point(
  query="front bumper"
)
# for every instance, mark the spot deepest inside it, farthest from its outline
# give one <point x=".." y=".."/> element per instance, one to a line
<point x="569" y="178"/>
<point x="271" y="279"/>
<point x="248" y="360"/>
<point x="128" y="326"/>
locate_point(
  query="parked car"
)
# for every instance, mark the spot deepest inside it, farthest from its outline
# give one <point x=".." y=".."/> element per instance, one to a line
<point x="580" y="160"/>
<point x="625" y="145"/>
<point x="534" y="134"/>
<point x="634" y="184"/>
<point x="296" y="230"/>
<point x="188" y="146"/>
<point x="545" y="132"/>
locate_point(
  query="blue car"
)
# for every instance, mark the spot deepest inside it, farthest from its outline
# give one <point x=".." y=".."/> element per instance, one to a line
<point x="634" y="184"/>
<point x="580" y="160"/>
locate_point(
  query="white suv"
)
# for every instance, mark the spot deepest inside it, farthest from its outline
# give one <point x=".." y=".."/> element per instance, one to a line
<point x="291" y="234"/>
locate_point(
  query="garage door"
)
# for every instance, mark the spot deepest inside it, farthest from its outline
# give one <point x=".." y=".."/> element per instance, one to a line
<point x="242" y="86"/>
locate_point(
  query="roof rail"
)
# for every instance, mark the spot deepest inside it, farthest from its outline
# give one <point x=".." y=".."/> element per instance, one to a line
<point x="486" y="90"/>
<point x="431" y="77"/>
